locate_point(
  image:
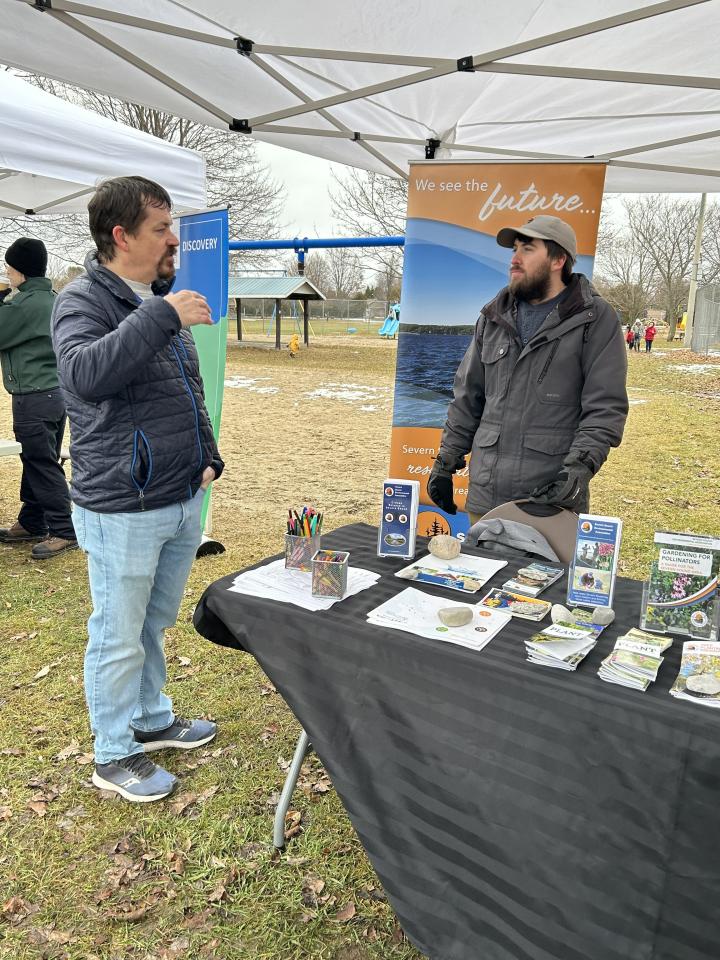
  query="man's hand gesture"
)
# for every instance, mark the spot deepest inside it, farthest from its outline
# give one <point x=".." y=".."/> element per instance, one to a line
<point x="191" y="307"/>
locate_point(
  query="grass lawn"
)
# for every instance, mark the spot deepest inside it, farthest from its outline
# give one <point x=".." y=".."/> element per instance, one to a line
<point x="85" y="876"/>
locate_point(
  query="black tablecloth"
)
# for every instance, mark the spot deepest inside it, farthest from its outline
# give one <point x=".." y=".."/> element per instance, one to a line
<point x="512" y="812"/>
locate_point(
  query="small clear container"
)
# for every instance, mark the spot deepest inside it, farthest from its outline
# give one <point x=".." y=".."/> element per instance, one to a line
<point x="299" y="551"/>
<point x="330" y="573"/>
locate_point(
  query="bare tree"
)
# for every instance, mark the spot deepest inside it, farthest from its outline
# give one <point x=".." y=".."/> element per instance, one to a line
<point x="665" y="228"/>
<point x="235" y="176"/>
<point x="371" y="205"/>
<point x="625" y="272"/>
<point x="345" y="274"/>
<point x="316" y="270"/>
<point x="710" y="259"/>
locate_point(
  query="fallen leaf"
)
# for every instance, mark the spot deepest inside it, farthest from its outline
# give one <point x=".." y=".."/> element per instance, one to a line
<point x="15" y="906"/>
<point x="71" y="750"/>
<point x="38" y="806"/>
<point x="42" y="673"/>
<point x="293" y="823"/>
<point x="345" y="913"/>
<point x="5" y="813"/>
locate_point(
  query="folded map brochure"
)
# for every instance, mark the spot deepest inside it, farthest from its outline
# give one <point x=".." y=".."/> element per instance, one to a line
<point x="591" y="581"/>
<point x="415" y="611"/>
<point x="465" y="573"/>
<point x="681" y="593"/>
<point x="533" y="579"/>
<point x="563" y="645"/>
<point x="517" y="605"/>
<point x="635" y="659"/>
<point x="699" y="677"/>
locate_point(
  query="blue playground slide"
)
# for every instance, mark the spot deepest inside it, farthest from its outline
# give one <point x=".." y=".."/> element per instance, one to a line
<point x="391" y="323"/>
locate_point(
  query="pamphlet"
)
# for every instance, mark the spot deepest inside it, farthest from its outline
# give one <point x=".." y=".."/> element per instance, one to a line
<point x="591" y="582"/>
<point x="699" y="677"/>
<point x="533" y="579"/>
<point x="517" y="605"/>
<point x="635" y="659"/>
<point x="465" y="573"/>
<point x="398" y="520"/>
<point x="682" y="589"/>
<point x="563" y="645"/>
<point x="416" y="612"/>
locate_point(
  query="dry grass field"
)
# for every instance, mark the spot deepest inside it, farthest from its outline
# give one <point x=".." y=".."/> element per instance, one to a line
<point x="88" y="878"/>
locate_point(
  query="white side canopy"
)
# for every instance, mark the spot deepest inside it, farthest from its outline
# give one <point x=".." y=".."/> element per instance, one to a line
<point x="376" y="84"/>
<point x="52" y="154"/>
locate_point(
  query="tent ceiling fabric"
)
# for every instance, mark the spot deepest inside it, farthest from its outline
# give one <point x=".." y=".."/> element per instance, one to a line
<point x="52" y="154"/>
<point x="633" y="82"/>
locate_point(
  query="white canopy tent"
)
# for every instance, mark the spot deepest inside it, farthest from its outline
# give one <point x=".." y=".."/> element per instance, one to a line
<point x="376" y="84"/>
<point x="52" y="154"/>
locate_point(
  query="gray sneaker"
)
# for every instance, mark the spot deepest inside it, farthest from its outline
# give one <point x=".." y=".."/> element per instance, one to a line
<point x="180" y="735"/>
<point x="135" y="778"/>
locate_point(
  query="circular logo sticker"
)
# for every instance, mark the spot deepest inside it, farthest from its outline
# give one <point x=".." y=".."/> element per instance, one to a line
<point x="389" y="517"/>
<point x="389" y="491"/>
<point x="586" y="526"/>
<point x="699" y="619"/>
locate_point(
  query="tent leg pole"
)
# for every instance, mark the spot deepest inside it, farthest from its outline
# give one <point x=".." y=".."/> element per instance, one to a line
<point x="306" y="320"/>
<point x="278" y="324"/>
<point x="238" y="311"/>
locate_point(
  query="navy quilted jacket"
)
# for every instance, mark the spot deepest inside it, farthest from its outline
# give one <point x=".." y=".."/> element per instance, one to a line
<point x="140" y="433"/>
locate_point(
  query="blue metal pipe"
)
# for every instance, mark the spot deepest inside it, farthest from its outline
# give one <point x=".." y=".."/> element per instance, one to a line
<point x="306" y="244"/>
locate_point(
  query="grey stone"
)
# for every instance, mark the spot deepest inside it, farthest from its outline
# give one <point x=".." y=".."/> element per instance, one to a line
<point x="561" y="614"/>
<point x="444" y="546"/>
<point x="455" y="616"/>
<point x="603" y="616"/>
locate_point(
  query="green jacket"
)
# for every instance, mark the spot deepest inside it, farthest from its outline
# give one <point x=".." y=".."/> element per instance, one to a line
<point x="26" y="353"/>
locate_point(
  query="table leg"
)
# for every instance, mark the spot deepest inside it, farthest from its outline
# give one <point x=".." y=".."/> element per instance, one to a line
<point x="302" y="747"/>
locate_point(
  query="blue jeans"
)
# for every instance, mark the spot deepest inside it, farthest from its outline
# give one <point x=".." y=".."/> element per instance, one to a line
<point x="138" y="565"/>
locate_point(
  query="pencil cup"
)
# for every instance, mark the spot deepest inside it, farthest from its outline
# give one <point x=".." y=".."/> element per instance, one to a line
<point x="330" y="573"/>
<point x="299" y="551"/>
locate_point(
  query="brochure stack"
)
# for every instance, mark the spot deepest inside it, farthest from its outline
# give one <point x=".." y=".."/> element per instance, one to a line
<point x="635" y="660"/>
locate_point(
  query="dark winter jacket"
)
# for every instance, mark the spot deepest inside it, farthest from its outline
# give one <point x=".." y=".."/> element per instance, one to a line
<point x="26" y="352"/>
<point x="140" y="433"/>
<point x="523" y="411"/>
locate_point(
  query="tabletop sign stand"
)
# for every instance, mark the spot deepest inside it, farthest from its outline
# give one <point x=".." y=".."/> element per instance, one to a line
<point x="680" y="595"/>
<point x="398" y="519"/>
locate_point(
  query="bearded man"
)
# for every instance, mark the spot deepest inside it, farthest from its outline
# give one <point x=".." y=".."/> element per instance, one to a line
<point x="539" y="397"/>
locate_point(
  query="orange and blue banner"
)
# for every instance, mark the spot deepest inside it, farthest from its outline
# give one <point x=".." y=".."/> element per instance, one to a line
<point x="453" y="267"/>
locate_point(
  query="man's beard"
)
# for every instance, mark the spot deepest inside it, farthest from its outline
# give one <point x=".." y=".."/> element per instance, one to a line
<point x="166" y="268"/>
<point x="536" y="287"/>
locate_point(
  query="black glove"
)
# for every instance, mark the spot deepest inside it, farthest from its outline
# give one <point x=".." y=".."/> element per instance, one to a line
<point x="569" y="489"/>
<point x="5" y="293"/>
<point x="440" y="484"/>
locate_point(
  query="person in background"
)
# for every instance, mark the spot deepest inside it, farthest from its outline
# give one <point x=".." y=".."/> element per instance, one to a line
<point x="650" y="334"/>
<point x="630" y="337"/>
<point x="638" y="333"/>
<point x="294" y="345"/>
<point x="539" y="397"/>
<point x="143" y="454"/>
<point x="30" y="376"/>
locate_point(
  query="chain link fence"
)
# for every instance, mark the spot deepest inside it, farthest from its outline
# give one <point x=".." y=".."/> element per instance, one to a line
<point x="706" y="321"/>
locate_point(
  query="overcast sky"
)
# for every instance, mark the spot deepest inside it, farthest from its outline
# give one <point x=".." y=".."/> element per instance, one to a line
<point x="306" y="180"/>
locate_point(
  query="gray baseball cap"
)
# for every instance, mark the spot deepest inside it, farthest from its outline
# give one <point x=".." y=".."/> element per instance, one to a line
<point x="544" y="228"/>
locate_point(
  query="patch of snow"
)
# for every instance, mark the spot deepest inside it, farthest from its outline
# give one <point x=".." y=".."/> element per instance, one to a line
<point x="693" y="367"/>
<point x="248" y="383"/>
<point x="633" y="402"/>
<point x="347" y="392"/>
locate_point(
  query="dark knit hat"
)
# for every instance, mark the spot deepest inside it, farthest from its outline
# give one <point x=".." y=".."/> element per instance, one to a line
<point x="27" y="256"/>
